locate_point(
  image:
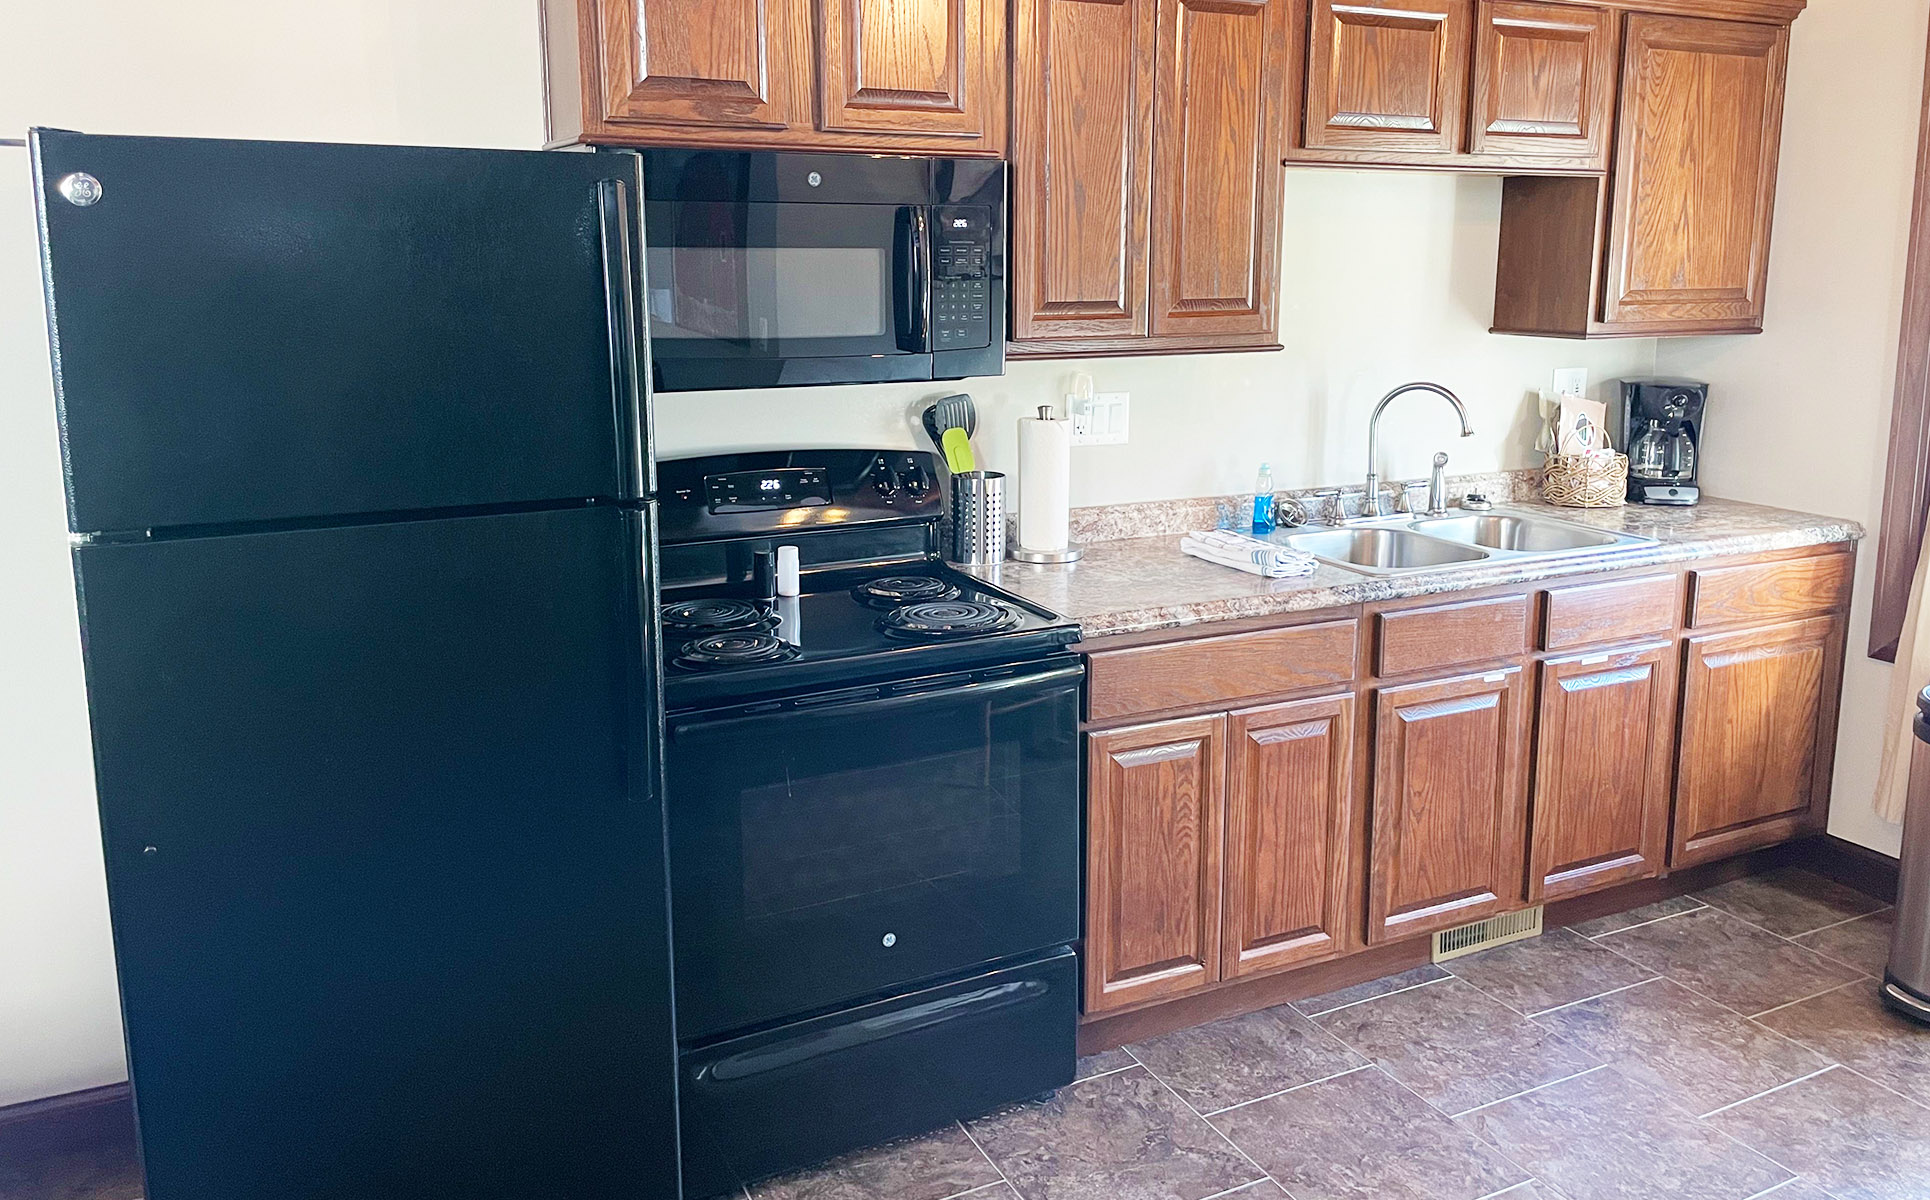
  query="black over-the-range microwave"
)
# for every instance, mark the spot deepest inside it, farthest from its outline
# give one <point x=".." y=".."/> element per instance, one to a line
<point x="771" y="269"/>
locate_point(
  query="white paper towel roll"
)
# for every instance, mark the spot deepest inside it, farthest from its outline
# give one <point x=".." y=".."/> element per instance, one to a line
<point x="1045" y="481"/>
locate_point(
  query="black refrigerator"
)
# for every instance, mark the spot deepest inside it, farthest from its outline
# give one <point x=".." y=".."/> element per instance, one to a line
<point x="359" y="478"/>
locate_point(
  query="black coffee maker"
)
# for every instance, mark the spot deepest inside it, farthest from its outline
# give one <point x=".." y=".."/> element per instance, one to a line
<point x="1661" y="423"/>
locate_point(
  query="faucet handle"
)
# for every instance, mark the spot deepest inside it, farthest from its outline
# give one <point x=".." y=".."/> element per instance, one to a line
<point x="1404" y="496"/>
<point x="1332" y="511"/>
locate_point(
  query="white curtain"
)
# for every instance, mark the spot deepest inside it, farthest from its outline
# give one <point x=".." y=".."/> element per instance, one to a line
<point x="1911" y="675"/>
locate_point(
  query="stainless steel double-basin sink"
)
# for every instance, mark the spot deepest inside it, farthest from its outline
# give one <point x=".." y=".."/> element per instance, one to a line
<point x="1400" y="544"/>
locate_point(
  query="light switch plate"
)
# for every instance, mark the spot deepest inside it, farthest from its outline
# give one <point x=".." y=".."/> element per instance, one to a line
<point x="1101" y="419"/>
<point x="1571" y="381"/>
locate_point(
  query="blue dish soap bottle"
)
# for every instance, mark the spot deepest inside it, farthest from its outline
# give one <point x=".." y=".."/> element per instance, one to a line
<point x="1263" y="502"/>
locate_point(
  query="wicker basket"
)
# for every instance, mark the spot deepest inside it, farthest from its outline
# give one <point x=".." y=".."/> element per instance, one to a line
<point x="1586" y="480"/>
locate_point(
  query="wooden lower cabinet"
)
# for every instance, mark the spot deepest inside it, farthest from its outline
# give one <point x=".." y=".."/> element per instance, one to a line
<point x="1289" y="814"/>
<point x="1447" y="834"/>
<point x="1155" y="821"/>
<point x="1368" y="775"/>
<point x="1758" y="726"/>
<point x="1599" y="814"/>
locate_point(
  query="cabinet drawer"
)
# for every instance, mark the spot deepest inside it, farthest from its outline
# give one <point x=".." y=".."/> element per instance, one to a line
<point x="1770" y="591"/>
<point x="1446" y="635"/>
<point x="1608" y="612"/>
<point x="1220" y="670"/>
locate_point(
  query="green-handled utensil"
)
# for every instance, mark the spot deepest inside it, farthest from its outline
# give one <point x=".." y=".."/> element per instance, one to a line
<point x="958" y="451"/>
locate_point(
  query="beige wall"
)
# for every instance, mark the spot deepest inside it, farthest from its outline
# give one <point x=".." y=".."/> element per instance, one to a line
<point x="462" y="72"/>
<point x="1385" y="277"/>
<point x="1800" y="415"/>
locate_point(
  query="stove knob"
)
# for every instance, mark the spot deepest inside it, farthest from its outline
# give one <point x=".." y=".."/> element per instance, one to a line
<point x="917" y="482"/>
<point x="888" y="481"/>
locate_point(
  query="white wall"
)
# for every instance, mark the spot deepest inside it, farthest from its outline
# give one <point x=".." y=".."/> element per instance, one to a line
<point x="462" y="72"/>
<point x="1386" y="277"/>
<point x="1828" y="350"/>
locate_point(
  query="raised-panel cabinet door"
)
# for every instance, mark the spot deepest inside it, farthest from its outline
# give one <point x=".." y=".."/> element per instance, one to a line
<point x="1447" y="837"/>
<point x="1155" y="820"/>
<point x="729" y="63"/>
<point x="1289" y="809"/>
<point x="1544" y="81"/>
<point x="1388" y="75"/>
<point x="1695" y="173"/>
<point x="906" y="66"/>
<point x="1082" y="147"/>
<point x="1217" y="176"/>
<point x="1600" y="810"/>
<point x="1758" y="715"/>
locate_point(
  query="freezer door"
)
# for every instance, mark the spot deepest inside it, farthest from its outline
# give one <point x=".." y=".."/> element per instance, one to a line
<point x="386" y="858"/>
<point x="253" y="331"/>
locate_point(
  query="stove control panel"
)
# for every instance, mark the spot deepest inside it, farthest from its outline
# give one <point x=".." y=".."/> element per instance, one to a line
<point x="766" y="493"/>
<point x="759" y="491"/>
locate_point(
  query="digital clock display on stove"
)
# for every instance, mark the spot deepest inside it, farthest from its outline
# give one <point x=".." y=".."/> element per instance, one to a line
<point x="751" y="491"/>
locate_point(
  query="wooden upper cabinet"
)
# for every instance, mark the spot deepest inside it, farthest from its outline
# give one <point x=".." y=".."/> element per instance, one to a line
<point x="1082" y="148"/>
<point x="699" y="62"/>
<point x="1217" y="180"/>
<point x="1603" y="748"/>
<point x="1695" y="174"/>
<point x="1387" y="75"/>
<point x="905" y="66"/>
<point x="1155" y="822"/>
<point x="1289" y="821"/>
<point x="716" y="63"/>
<point x="1544" y="82"/>
<point x="899" y="76"/>
<point x="1758" y="724"/>
<point x="1447" y="840"/>
<point x="1146" y="216"/>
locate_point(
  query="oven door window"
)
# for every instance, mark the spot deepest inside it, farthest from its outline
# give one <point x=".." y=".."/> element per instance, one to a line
<point x="823" y="855"/>
<point x="771" y="281"/>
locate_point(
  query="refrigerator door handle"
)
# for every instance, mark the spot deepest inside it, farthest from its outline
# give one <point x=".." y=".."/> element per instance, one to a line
<point x="626" y="344"/>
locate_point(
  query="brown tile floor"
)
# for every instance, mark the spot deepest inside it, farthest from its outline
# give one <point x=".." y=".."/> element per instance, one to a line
<point x="1724" y="1050"/>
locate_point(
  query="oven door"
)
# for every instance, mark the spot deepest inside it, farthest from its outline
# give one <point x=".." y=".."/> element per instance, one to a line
<point x="847" y="845"/>
<point x="745" y="294"/>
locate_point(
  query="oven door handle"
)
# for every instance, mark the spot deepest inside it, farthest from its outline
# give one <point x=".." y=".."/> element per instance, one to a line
<point x="784" y="1055"/>
<point x="871" y="699"/>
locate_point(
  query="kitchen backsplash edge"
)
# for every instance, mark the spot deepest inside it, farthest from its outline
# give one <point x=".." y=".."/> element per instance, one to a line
<point x="1159" y="518"/>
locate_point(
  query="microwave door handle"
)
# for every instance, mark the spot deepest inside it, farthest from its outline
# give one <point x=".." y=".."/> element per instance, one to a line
<point x="922" y="277"/>
<point x="914" y="279"/>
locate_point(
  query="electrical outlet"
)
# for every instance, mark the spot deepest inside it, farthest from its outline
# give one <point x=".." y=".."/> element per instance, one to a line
<point x="1100" y="419"/>
<point x="1571" y="381"/>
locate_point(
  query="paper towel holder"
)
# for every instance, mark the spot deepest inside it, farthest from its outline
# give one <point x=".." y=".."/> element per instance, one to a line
<point x="1072" y="552"/>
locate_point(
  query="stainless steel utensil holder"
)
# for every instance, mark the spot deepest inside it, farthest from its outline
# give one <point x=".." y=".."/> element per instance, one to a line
<point x="978" y="518"/>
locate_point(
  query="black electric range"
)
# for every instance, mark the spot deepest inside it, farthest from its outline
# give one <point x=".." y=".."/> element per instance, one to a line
<point x="849" y="625"/>
<point x="873" y="805"/>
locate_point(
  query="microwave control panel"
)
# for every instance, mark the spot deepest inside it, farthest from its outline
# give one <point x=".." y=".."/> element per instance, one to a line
<point x="961" y="317"/>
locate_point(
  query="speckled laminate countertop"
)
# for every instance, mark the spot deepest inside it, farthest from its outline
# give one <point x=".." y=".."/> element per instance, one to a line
<point x="1140" y="584"/>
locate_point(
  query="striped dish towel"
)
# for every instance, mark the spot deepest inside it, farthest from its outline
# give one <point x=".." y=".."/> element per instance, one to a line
<point x="1249" y="554"/>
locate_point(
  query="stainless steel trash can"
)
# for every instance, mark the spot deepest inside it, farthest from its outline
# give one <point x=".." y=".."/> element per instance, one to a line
<point x="1906" y="985"/>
